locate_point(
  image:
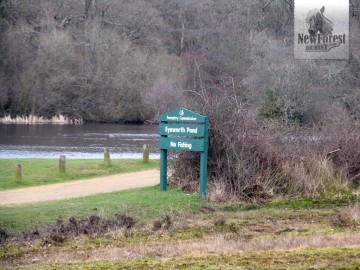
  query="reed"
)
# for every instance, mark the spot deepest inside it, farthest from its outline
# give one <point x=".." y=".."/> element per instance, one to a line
<point x="33" y="119"/>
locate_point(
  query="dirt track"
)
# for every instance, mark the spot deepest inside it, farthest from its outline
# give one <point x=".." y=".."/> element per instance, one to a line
<point x="80" y="188"/>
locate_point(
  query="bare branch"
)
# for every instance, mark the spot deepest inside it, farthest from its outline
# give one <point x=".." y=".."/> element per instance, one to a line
<point x="264" y="7"/>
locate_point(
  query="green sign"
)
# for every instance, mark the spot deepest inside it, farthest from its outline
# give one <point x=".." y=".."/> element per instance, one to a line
<point x="183" y="130"/>
<point x="185" y="144"/>
<point x="182" y="115"/>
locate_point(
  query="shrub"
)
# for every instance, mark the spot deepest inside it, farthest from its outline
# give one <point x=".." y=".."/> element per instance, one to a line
<point x="270" y="104"/>
<point x="275" y="105"/>
<point x="256" y="158"/>
<point x="62" y="230"/>
<point x="165" y="223"/>
<point x="348" y="217"/>
<point x="238" y="154"/>
<point x="4" y="235"/>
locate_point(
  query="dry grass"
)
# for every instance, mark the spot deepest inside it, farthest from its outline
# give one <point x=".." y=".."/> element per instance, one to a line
<point x="314" y="177"/>
<point x="348" y="217"/>
<point x="217" y="192"/>
<point x="186" y="235"/>
<point x="210" y="245"/>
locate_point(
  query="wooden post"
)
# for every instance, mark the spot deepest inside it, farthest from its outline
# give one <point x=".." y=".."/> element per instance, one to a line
<point x="163" y="169"/>
<point x="106" y="157"/>
<point x="146" y="153"/>
<point x="62" y="164"/>
<point x="204" y="160"/>
<point x="18" y="177"/>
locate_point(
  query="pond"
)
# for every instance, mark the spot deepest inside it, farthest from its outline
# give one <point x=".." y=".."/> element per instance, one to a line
<point x="77" y="141"/>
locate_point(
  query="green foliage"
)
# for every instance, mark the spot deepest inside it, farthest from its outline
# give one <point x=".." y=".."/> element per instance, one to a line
<point x="318" y="203"/>
<point x="46" y="171"/>
<point x="271" y="104"/>
<point x="296" y="116"/>
<point x="275" y="105"/>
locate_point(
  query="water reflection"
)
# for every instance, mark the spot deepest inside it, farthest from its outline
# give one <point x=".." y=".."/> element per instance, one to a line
<point x="77" y="141"/>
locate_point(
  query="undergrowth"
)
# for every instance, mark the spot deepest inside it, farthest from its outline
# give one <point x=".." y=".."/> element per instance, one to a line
<point x="256" y="159"/>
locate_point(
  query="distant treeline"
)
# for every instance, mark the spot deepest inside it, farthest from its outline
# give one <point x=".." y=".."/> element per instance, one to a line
<point x="128" y="61"/>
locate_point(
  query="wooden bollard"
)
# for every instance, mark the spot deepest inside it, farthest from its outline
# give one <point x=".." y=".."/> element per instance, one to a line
<point x="18" y="176"/>
<point x="106" y="157"/>
<point x="62" y="164"/>
<point x="146" y="153"/>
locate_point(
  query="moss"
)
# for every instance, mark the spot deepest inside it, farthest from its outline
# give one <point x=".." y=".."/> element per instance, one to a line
<point x="328" y="201"/>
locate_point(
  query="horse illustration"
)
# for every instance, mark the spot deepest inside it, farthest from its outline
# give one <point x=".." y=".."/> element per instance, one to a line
<point x="318" y="22"/>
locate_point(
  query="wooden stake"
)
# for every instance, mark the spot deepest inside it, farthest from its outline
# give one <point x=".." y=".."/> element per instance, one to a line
<point x="106" y="157"/>
<point x="62" y="164"/>
<point x="146" y="153"/>
<point x="18" y="176"/>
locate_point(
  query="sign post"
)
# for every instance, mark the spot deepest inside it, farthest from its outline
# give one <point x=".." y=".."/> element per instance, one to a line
<point x="183" y="130"/>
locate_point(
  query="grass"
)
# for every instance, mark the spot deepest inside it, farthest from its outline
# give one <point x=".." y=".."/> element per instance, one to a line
<point x="273" y="236"/>
<point x="45" y="171"/>
<point x="264" y="260"/>
<point x="282" y="234"/>
<point x="299" y="259"/>
<point x="151" y="203"/>
<point x="328" y="201"/>
<point x="329" y="258"/>
<point x="141" y="203"/>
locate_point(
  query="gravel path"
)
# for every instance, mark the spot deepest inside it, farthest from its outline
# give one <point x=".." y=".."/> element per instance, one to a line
<point x="80" y="188"/>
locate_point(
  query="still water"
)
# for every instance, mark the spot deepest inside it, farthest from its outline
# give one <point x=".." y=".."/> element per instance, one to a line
<point x="77" y="141"/>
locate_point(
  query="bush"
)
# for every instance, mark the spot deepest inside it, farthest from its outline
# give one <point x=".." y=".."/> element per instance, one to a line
<point x="238" y="156"/>
<point x="91" y="226"/>
<point x="348" y="217"/>
<point x="256" y="158"/>
<point x="273" y="106"/>
<point x="4" y="235"/>
<point x="62" y="230"/>
<point x="270" y="104"/>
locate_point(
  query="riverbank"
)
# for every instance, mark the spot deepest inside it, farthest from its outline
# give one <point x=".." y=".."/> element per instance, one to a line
<point x="36" y="172"/>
